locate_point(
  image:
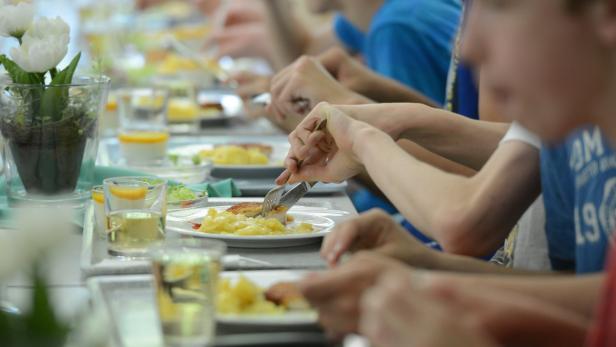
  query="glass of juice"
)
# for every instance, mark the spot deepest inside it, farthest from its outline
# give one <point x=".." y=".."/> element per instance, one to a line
<point x="185" y="275"/>
<point x="143" y="132"/>
<point x="135" y="208"/>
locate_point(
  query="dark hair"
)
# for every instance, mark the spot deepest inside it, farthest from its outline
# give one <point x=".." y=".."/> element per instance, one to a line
<point x="576" y="5"/>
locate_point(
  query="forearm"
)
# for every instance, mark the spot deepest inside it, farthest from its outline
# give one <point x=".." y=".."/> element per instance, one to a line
<point x="415" y="188"/>
<point x="579" y="294"/>
<point x="453" y="136"/>
<point x="463" y="264"/>
<point x="383" y="89"/>
<point x="470" y="216"/>
<point x="457" y="138"/>
<point x="289" y="36"/>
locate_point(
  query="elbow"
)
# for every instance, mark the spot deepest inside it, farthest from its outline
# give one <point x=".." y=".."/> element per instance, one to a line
<point x="459" y="232"/>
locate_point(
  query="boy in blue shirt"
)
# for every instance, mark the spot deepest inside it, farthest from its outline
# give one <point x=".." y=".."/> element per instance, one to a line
<point x="579" y="188"/>
<point x="407" y="40"/>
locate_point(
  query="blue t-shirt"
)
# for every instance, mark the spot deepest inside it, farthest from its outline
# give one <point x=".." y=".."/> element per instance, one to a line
<point x="410" y="41"/>
<point x="579" y="191"/>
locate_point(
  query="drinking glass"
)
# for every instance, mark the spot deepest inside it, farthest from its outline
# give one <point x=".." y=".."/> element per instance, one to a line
<point x="143" y="133"/>
<point x="135" y="208"/>
<point x="185" y="278"/>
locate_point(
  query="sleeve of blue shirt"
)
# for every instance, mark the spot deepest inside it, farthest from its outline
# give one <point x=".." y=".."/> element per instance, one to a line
<point x="405" y="55"/>
<point x="558" y="199"/>
<point x="350" y="36"/>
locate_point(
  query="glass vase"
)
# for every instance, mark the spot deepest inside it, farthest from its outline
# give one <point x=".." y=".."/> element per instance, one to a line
<point x="50" y="136"/>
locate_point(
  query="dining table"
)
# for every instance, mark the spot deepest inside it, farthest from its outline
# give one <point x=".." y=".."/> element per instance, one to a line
<point x="69" y="281"/>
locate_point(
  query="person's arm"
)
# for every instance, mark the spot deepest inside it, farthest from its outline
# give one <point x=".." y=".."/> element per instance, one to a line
<point x="467" y="216"/>
<point x="290" y="38"/>
<point x="576" y="293"/>
<point x="457" y="138"/>
<point x="470" y="216"/>
<point x="360" y="79"/>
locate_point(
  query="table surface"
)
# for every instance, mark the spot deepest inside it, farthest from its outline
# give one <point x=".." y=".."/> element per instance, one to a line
<point x="67" y="285"/>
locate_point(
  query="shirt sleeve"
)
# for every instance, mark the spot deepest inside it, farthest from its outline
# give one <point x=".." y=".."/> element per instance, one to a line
<point x="401" y="53"/>
<point x="517" y="132"/>
<point x="350" y="36"/>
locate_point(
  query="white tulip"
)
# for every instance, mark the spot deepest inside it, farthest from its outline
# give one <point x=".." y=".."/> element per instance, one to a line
<point x="43" y="46"/>
<point x="15" y="17"/>
<point x="39" y="230"/>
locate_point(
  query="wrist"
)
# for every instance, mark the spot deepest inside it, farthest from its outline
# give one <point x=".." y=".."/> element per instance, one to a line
<point x="347" y="97"/>
<point x="368" y="139"/>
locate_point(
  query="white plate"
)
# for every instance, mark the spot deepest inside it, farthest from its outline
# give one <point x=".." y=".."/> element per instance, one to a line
<point x="231" y="103"/>
<point x="270" y="170"/>
<point x="265" y="279"/>
<point x="129" y="299"/>
<point x="301" y="214"/>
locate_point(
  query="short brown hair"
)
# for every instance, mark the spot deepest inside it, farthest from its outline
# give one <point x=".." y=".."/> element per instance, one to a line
<point x="577" y="4"/>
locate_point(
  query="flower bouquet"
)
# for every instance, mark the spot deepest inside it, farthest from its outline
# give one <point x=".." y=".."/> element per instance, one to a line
<point x="48" y="117"/>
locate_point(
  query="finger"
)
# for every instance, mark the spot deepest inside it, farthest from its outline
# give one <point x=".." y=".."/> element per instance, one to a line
<point x="332" y="59"/>
<point x="291" y="164"/>
<point x="283" y="178"/>
<point x="339" y="241"/>
<point x="315" y="138"/>
<point x="310" y="154"/>
<point x="349" y="278"/>
<point x="279" y="81"/>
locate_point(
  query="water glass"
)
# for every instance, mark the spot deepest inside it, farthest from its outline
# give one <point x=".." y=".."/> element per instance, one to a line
<point x="136" y="209"/>
<point x="185" y="278"/>
<point x="143" y="132"/>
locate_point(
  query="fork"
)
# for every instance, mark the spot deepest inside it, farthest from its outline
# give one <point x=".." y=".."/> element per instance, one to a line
<point x="271" y="200"/>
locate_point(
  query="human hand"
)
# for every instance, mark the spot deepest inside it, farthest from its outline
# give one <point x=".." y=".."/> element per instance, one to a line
<point x="249" y="85"/>
<point x="397" y="312"/>
<point x="240" y="30"/>
<point x="430" y="304"/>
<point x="303" y="84"/>
<point x="374" y="230"/>
<point x="335" y="294"/>
<point x="325" y="155"/>
<point x="348" y="71"/>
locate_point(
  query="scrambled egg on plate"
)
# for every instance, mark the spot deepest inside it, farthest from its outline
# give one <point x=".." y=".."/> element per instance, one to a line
<point x="243" y="297"/>
<point x="234" y="155"/>
<point x="237" y="224"/>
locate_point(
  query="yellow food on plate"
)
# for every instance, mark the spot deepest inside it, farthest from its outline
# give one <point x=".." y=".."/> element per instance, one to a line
<point x="174" y="63"/>
<point x="182" y="110"/>
<point x="224" y="222"/>
<point x="243" y="297"/>
<point x="234" y="155"/>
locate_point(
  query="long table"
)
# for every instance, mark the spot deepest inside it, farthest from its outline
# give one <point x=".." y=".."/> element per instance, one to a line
<point x="67" y="285"/>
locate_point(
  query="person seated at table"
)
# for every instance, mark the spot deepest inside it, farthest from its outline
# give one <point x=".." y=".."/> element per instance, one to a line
<point x="308" y="79"/>
<point x="549" y="101"/>
<point x="415" y="52"/>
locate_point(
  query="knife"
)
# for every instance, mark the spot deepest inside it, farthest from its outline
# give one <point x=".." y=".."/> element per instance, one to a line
<point x="293" y="195"/>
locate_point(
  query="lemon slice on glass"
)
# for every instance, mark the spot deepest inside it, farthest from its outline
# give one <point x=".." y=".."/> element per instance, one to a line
<point x="129" y="193"/>
<point x="144" y="137"/>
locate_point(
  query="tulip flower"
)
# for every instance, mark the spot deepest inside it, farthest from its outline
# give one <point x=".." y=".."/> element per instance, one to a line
<point x="15" y="18"/>
<point x="43" y="46"/>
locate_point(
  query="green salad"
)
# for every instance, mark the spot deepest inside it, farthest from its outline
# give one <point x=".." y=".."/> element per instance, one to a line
<point x="180" y="192"/>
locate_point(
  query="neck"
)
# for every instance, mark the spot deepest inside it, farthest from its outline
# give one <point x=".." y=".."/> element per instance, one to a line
<point x="608" y="127"/>
<point x="361" y="16"/>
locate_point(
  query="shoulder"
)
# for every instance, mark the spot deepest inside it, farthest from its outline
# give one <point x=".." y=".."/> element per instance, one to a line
<point x="414" y="13"/>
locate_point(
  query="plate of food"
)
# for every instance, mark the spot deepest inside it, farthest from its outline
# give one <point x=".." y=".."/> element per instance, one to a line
<point x="240" y="160"/>
<point x="241" y="226"/>
<point x="262" y="298"/>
